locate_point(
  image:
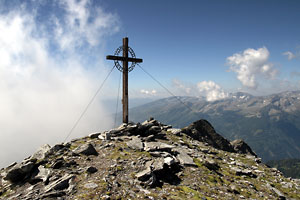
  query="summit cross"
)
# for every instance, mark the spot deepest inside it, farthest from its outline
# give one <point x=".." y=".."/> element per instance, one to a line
<point x="125" y="59"/>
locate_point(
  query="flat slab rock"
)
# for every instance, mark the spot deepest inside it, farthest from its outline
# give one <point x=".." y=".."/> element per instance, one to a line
<point x="135" y="143"/>
<point x="185" y="159"/>
<point x="157" y="146"/>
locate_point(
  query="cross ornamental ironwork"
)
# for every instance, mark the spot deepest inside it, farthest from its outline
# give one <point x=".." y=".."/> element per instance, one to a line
<point x="125" y="59"/>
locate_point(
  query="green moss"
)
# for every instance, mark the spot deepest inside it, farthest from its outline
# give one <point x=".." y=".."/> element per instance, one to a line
<point x="143" y="154"/>
<point x="186" y="141"/>
<point x="198" y="162"/>
<point x="7" y="193"/>
<point x="172" y="137"/>
<point x="187" y="190"/>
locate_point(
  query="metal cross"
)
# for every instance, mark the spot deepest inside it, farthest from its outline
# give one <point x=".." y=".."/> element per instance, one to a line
<point x="125" y="59"/>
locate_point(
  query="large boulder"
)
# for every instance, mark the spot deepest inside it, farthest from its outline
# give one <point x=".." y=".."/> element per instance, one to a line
<point x="20" y="171"/>
<point x="203" y="131"/>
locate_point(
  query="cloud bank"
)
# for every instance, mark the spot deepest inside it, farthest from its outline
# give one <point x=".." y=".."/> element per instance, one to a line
<point x="251" y="64"/>
<point x="208" y="89"/>
<point x="44" y="81"/>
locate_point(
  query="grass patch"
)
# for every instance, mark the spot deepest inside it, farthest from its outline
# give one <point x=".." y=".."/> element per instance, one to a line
<point x="187" y="190"/>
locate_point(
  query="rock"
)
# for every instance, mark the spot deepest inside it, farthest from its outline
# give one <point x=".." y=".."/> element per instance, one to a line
<point x="175" y="131"/>
<point x="135" y="143"/>
<point x="153" y="130"/>
<point x="91" y="170"/>
<point x="203" y="131"/>
<point x="42" y="152"/>
<point x="15" y="175"/>
<point x="234" y="189"/>
<point x="58" y="163"/>
<point x="20" y="172"/>
<point x="185" y="159"/>
<point x="211" y="164"/>
<point x="276" y="191"/>
<point x="94" y="135"/>
<point x="157" y="146"/>
<point x="86" y="149"/>
<point x="169" y="161"/>
<point x="242" y="147"/>
<point x="152" y="181"/>
<point x="105" y="135"/>
<point x="56" y="148"/>
<point x="60" y="184"/>
<point x="90" y="185"/>
<point x="157" y="165"/>
<point x="244" y="172"/>
<point x="144" y="175"/>
<point x="43" y="174"/>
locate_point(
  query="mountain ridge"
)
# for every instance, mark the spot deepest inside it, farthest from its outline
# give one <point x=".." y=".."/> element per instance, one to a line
<point x="146" y="161"/>
<point x="265" y="122"/>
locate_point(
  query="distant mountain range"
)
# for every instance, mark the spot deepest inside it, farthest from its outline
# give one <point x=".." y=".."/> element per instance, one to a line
<point x="269" y="124"/>
<point x="289" y="167"/>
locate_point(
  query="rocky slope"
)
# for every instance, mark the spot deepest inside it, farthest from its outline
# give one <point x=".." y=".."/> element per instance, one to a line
<point x="147" y="161"/>
<point x="265" y="123"/>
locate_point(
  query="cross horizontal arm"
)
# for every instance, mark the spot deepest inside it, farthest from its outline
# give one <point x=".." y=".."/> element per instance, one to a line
<point x="136" y="60"/>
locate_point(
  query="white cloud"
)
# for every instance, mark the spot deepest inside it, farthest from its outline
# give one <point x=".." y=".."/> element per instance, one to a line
<point x="290" y="55"/>
<point x="208" y="89"/>
<point x="211" y="90"/>
<point x="42" y="95"/>
<point x="251" y="64"/>
<point x="148" y="92"/>
<point x="82" y="24"/>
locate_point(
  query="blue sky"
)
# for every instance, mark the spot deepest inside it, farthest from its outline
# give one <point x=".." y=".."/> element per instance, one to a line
<point x="192" y="41"/>
<point x="53" y="58"/>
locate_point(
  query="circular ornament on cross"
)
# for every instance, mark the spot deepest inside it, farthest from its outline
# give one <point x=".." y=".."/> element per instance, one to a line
<point x="118" y="65"/>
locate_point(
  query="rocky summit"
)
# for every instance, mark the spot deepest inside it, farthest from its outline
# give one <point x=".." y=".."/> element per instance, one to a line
<point x="147" y="160"/>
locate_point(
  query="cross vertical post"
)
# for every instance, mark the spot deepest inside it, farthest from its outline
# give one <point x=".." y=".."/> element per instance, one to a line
<point x="125" y="80"/>
<point x="125" y="59"/>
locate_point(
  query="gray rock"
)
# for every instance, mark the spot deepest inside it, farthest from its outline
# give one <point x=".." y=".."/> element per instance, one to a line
<point x="105" y="135"/>
<point x="169" y="161"/>
<point x="211" y="164"/>
<point x="153" y="130"/>
<point x="157" y="146"/>
<point x="144" y="175"/>
<point x="94" y="135"/>
<point x="19" y="172"/>
<point x="90" y="185"/>
<point x="175" y="131"/>
<point x="135" y="143"/>
<point x="60" y="184"/>
<point x="86" y="149"/>
<point x="185" y="159"/>
<point x="243" y="172"/>
<point x="157" y="165"/>
<point x="42" y="152"/>
<point x="44" y="173"/>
